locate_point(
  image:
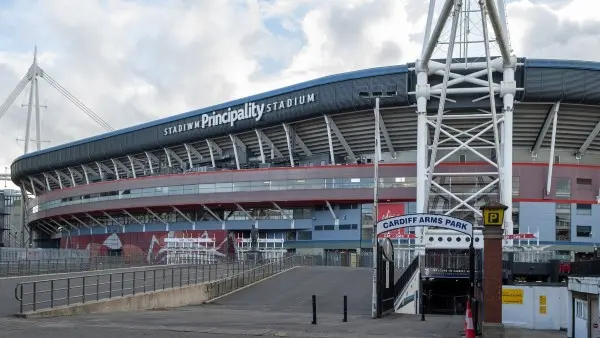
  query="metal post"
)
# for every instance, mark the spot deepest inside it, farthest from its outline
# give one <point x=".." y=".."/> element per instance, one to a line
<point x="471" y="271"/>
<point x="314" y="310"/>
<point x="345" y="309"/>
<point x="375" y="210"/>
<point x="422" y="298"/>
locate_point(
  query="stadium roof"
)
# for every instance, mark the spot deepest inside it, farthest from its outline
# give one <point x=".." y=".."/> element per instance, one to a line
<point x="544" y="81"/>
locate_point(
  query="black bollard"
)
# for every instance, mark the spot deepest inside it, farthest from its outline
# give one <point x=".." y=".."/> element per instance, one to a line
<point x="345" y="309"/>
<point x="314" y="309"/>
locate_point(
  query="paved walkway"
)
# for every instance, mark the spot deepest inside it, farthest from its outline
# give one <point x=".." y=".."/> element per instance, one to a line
<point x="215" y="321"/>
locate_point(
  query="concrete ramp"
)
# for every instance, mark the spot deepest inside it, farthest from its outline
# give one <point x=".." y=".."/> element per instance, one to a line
<point x="292" y="291"/>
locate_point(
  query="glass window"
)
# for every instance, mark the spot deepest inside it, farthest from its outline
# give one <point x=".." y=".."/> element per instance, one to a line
<point x="563" y="222"/>
<point x="563" y="187"/>
<point x="584" y="209"/>
<point x="304" y="235"/>
<point x="584" y="183"/>
<point x="515" y="217"/>
<point x="367" y="214"/>
<point x="584" y="231"/>
<point x="515" y="186"/>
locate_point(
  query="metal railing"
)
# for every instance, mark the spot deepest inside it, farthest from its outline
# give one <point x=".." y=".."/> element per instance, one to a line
<point x="50" y="293"/>
<point x="589" y="268"/>
<point x="52" y="266"/>
<point x="221" y="279"/>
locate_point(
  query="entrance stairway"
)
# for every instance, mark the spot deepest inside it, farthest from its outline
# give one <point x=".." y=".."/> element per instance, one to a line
<point x="407" y="288"/>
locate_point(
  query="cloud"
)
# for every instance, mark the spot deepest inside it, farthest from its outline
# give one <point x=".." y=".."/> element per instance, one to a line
<point x="135" y="61"/>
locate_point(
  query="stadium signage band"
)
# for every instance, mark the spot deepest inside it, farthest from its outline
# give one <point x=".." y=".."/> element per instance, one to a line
<point x="250" y="110"/>
<point x="425" y="220"/>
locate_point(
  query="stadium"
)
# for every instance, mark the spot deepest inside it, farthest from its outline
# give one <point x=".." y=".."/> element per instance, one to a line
<point x="298" y="164"/>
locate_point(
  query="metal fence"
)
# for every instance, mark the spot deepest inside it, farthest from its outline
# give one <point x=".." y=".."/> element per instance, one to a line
<point x="18" y="254"/>
<point x="52" y="266"/>
<point x="534" y="256"/>
<point x="220" y="278"/>
<point x="50" y="293"/>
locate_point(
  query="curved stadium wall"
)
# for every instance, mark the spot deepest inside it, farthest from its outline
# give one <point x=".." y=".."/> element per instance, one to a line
<point x="131" y="189"/>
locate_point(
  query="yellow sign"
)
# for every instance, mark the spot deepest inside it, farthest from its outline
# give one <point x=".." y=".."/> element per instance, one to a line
<point x="512" y="296"/>
<point x="493" y="217"/>
<point x="543" y="304"/>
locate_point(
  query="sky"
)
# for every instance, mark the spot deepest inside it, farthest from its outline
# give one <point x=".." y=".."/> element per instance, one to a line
<point x="139" y="60"/>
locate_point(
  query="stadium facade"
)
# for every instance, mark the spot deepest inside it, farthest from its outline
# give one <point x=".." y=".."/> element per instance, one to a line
<point x="297" y="163"/>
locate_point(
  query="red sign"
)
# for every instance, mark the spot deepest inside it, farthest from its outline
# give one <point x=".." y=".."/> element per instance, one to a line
<point x="396" y="234"/>
<point x="565" y="268"/>
<point x="520" y="236"/>
<point x="389" y="210"/>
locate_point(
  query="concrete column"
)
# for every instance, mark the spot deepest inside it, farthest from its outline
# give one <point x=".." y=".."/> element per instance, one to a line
<point x="492" y="282"/>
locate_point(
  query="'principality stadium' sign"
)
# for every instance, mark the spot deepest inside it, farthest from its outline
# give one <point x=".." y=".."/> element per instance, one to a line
<point x="250" y="110"/>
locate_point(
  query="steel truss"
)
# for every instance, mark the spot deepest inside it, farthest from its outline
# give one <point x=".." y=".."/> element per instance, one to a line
<point x="474" y="134"/>
<point x="31" y="78"/>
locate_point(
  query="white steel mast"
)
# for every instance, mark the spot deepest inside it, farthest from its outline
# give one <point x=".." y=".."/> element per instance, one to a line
<point x="472" y="38"/>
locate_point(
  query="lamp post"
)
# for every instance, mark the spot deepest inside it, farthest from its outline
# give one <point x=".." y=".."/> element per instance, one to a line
<point x="493" y="219"/>
<point x="376" y="95"/>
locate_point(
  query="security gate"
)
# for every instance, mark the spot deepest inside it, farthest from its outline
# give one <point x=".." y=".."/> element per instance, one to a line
<point x="385" y="278"/>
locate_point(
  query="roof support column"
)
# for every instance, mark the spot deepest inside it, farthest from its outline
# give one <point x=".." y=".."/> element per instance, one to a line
<point x="171" y="154"/>
<point x="213" y="214"/>
<point x="132" y="165"/>
<point x="213" y="148"/>
<point x="135" y="219"/>
<point x="157" y="217"/>
<point x="114" y="220"/>
<point x="235" y="142"/>
<point x="185" y="217"/>
<point x="33" y="180"/>
<point x="335" y="218"/>
<point x="551" y="159"/>
<point x="588" y="141"/>
<point x="73" y="183"/>
<point x="544" y="129"/>
<point x="260" y="146"/>
<point x="331" y="124"/>
<point x="115" y="168"/>
<point x="149" y="157"/>
<point x="59" y="181"/>
<point x="288" y="139"/>
<point x="32" y="186"/>
<point x="78" y="221"/>
<point x="290" y="218"/>
<point x="97" y="222"/>
<point x="67" y="222"/>
<point x="247" y="214"/>
<point x="330" y="139"/>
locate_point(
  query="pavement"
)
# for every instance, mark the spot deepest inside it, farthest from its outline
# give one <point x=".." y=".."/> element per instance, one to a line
<point x="277" y="307"/>
<point x="94" y="285"/>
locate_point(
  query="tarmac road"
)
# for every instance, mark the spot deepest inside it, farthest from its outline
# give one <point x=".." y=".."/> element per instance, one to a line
<point x="53" y="290"/>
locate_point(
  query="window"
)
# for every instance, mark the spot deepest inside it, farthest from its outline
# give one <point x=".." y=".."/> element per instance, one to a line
<point x="563" y="187"/>
<point x="584" y="209"/>
<point x="584" y="181"/>
<point x="367" y="214"/>
<point x="462" y="158"/>
<point x="324" y="227"/>
<point x="304" y="235"/>
<point x="515" y="186"/>
<point x="563" y="222"/>
<point x="584" y="231"/>
<point x="348" y="226"/>
<point x="366" y="234"/>
<point x="515" y="217"/>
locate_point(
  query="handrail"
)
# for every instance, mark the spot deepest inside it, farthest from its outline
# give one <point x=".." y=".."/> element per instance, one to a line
<point x="49" y="293"/>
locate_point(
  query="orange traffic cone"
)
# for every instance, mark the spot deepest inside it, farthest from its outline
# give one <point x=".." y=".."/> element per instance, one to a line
<point x="469" y="327"/>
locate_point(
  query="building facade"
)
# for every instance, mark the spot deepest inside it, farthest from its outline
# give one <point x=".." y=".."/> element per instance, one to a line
<point x="297" y="163"/>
